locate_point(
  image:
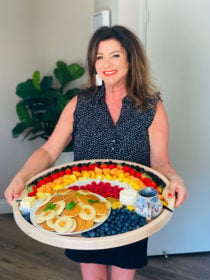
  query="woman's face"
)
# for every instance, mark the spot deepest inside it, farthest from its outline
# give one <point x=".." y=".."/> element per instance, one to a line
<point x="111" y="63"/>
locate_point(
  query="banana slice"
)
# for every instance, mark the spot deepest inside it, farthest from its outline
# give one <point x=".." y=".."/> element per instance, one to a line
<point x="46" y="215"/>
<point x="51" y="222"/>
<point x="63" y="224"/>
<point x="59" y="206"/>
<point x="99" y="218"/>
<point x="46" y="227"/>
<point x="88" y="212"/>
<point x="73" y="227"/>
<point x="46" y="200"/>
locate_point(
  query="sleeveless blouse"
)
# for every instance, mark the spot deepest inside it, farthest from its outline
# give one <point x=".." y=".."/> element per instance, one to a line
<point x="95" y="135"/>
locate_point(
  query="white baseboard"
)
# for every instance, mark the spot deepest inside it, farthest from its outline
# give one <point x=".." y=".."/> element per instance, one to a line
<point x="5" y="208"/>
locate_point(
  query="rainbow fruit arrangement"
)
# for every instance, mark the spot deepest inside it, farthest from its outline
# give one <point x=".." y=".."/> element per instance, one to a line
<point x="103" y="178"/>
<point x="106" y="179"/>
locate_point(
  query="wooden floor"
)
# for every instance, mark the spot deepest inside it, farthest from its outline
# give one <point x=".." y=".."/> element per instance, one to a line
<point x="23" y="258"/>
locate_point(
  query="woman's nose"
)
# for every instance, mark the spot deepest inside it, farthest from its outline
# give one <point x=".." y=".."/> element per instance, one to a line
<point x="107" y="62"/>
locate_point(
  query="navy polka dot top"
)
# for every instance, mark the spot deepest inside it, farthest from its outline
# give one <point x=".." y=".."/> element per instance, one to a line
<point x="95" y="135"/>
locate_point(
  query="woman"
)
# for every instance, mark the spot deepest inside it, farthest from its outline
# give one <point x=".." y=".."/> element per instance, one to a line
<point x="122" y="119"/>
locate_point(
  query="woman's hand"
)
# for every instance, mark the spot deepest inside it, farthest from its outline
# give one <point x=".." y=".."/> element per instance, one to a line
<point x="178" y="190"/>
<point x="14" y="189"/>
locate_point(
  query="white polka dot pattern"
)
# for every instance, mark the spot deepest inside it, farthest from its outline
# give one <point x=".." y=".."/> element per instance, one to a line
<point x="96" y="137"/>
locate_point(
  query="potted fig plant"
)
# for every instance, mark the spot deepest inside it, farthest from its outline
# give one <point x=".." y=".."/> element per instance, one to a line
<point x="42" y="101"/>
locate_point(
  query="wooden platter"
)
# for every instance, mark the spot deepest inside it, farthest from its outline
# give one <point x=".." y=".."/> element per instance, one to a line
<point x="81" y="243"/>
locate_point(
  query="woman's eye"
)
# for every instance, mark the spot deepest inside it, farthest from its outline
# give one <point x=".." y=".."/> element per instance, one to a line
<point x="99" y="57"/>
<point x="116" y="55"/>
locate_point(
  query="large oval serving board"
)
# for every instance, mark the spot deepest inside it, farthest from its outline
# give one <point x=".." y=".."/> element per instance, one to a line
<point x="82" y="243"/>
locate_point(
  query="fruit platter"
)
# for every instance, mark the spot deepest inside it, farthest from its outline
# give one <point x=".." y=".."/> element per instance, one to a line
<point x="91" y="204"/>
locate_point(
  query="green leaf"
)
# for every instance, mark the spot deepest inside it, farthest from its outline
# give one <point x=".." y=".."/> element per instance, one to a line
<point x="36" y="80"/>
<point x="18" y="129"/>
<point x="62" y="73"/>
<point x="72" y="92"/>
<point x="26" y="90"/>
<point x="51" y="114"/>
<point x="29" y="188"/>
<point x="22" y="112"/>
<point x="70" y="205"/>
<point x="46" y="83"/>
<point x="76" y="71"/>
<point x="93" y="201"/>
<point x="50" y="206"/>
<point x="62" y="100"/>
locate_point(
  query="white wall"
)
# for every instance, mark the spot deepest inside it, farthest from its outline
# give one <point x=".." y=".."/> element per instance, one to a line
<point x="123" y="12"/>
<point x="178" y="45"/>
<point x="34" y="35"/>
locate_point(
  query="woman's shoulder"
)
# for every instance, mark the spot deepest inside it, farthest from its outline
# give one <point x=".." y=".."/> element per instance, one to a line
<point x="89" y="94"/>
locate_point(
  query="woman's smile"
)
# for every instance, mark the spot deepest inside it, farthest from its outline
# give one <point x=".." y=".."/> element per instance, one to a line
<point x="110" y="73"/>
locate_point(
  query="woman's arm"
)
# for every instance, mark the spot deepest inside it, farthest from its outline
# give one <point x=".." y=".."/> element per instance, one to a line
<point x="47" y="154"/>
<point x="159" y="156"/>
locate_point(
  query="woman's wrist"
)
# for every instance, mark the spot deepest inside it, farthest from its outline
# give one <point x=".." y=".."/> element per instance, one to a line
<point x="175" y="178"/>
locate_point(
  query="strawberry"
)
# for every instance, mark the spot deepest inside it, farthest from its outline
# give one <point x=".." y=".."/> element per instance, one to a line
<point x="68" y="171"/>
<point x="126" y="168"/>
<point x="104" y="165"/>
<point x="112" y="165"/>
<point x="61" y="173"/>
<point x="76" y="168"/>
<point x="41" y="182"/>
<point x="54" y="176"/>
<point x="48" y="179"/>
<point x="133" y="172"/>
<point x="146" y="181"/>
<point x="84" y="168"/>
<point x="92" y="166"/>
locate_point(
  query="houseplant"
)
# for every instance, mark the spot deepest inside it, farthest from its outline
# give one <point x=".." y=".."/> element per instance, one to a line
<point x="42" y="102"/>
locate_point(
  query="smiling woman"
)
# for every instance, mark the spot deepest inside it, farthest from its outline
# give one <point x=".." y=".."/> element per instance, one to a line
<point x="124" y="119"/>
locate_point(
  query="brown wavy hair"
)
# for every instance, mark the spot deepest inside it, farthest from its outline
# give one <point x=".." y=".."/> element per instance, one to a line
<point x="139" y="85"/>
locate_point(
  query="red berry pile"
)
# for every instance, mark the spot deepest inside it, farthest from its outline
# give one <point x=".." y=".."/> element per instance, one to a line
<point x="104" y="189"/>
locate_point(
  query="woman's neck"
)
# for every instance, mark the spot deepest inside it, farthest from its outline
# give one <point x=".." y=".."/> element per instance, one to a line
<point x="115" y="92"/>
